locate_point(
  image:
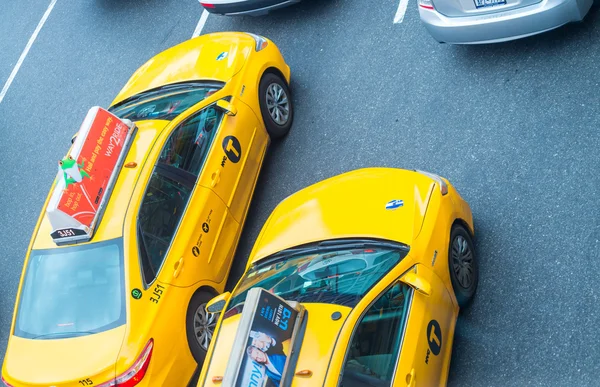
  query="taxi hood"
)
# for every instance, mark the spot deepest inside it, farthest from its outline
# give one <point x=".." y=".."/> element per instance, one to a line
<point x="211" y="57"/>
<point x="63" y="362"/>
<point x="315" y="353"/>
<point x="382" y="203"/>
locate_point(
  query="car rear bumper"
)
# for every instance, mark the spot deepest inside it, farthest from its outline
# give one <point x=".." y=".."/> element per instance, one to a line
<point x="244" y="7"/>
<point x="506" y="25"/>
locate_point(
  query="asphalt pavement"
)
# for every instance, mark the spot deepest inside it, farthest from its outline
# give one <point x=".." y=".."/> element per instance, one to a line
<point x="515" y="127"/>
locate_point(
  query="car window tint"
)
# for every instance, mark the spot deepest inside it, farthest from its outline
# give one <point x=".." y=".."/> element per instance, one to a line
<point x="188" y="145"/>
<point x="163" y="104"/>
<point x="350" y="266"/>
<point x="340" y="277"/>
<point x="161" y="210"/>
<point x="375" y="345"/>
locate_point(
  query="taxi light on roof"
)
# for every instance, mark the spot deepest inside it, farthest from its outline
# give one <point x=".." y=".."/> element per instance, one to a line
<point x="306" y="373"/>
<point x="87" y="174"/>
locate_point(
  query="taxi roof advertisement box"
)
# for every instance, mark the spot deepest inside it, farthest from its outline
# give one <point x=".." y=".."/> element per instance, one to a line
<point x="86" y="175"/>
<point x="266" y="343"/>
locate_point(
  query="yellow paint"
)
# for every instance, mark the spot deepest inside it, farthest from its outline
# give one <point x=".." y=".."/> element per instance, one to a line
<point x="354" y="205"/>
<point x="102" y="356"/>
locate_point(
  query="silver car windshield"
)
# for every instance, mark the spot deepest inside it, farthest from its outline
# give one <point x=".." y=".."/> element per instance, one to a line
<point x="72" y="291"/>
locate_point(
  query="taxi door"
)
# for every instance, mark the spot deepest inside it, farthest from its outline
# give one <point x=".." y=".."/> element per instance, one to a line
<point x="193" y="256"/>
<point x="427" y="345"/>
<point x="233" y="166"/>
<point x="194" y="217"/>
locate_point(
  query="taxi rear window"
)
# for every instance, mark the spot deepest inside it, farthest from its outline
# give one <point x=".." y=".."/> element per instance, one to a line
<point x="72" y="291"/>
<point x="164" y="103"/>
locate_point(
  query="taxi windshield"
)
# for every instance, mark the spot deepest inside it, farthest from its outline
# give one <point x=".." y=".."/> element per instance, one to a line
<point x="164" y="103"/>
<point x="340" y="273"/>
<point x="72" y="291"/>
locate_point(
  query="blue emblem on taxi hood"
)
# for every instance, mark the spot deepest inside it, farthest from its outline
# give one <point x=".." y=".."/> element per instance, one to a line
<point x="393" y="204"/>
<point x="222" y="55"/>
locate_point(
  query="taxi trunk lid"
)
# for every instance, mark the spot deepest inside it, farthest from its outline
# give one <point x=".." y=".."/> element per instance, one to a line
<point x="462" y="8"/>
<point x="63" y="362"/>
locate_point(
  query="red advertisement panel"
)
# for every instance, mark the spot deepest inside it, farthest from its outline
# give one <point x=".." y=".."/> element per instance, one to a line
<point x="87" y="174"/>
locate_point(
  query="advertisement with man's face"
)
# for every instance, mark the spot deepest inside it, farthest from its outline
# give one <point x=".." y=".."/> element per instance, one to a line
<point x="267" y="347"/>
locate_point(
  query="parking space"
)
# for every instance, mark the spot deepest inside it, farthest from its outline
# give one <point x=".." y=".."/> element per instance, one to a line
<point x="513" y="126"/>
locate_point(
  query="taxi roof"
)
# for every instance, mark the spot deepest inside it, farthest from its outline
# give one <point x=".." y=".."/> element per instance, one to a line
<point x="111" y="225"/>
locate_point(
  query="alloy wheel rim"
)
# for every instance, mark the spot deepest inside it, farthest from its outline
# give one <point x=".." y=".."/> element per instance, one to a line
<point x="204" y="326"/>
<point x="278" y="104"/>
<point x="462" y="262"/>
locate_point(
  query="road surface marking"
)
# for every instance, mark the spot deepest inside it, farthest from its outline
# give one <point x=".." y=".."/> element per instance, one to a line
<point x="401" y="11"/>
<point x="201" y="23"/>
<point x="26" y="51"/>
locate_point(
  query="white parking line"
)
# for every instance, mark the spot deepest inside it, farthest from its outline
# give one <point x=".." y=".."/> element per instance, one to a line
<point x="401" y="11"/>
<point x="201" y="23"/>
<point x="26" y="51"/>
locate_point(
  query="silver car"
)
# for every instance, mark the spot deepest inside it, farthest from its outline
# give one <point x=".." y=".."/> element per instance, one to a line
<point x="492" y="21"/>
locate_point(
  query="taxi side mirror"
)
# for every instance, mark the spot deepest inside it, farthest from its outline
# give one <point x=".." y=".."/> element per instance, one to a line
<point x="227" y="107"/>
<point x="417" y="282"/>
<point x="217" y="304"/>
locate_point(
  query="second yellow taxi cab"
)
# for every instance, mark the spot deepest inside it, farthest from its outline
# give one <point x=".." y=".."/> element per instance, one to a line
<point x="380" y="261"/>
<point x="130" y="246"/>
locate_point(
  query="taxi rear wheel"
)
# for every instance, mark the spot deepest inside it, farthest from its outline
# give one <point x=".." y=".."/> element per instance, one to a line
<point x="275" y="105"/>
<point x="464" y="270"/>
<point x="200" y="324"/>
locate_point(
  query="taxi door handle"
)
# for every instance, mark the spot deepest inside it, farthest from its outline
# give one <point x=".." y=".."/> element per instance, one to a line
<point x="178" y="267"/>
<point x="215" y="178"/>
<point x="410" y="378"/>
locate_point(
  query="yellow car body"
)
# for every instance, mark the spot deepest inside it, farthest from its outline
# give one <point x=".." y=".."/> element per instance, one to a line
<point x="150" y="336"/>
<point x="376" y="207"/>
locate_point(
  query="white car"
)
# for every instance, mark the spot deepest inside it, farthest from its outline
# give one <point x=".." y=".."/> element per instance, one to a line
<point x="244" y="7"/>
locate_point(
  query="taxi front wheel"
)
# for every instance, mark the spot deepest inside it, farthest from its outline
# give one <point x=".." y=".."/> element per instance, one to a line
<point x="200" y="325"/>
<point x="464" y="270"/>
<point x="275" y="105"/>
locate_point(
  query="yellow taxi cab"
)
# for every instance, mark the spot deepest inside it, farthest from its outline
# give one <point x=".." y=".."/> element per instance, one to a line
<point x="381" y="261"/>
<point x="115" y="281"/>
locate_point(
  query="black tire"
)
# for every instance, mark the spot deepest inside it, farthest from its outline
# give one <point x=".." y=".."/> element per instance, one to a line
<point x="198" y="302"/>
<point x="462" y="262"/>
<point x="271" y="82"/>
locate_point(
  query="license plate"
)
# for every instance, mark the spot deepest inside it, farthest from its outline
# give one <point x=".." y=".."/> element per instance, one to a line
<point x="488" y="3"/>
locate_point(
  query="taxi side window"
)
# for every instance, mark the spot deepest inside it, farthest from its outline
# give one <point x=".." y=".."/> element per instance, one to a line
<point x="171" y="186"/>
<point x="375" y="345"/>
<point x="160" y="213"/>
<point x="188" y="145"/>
